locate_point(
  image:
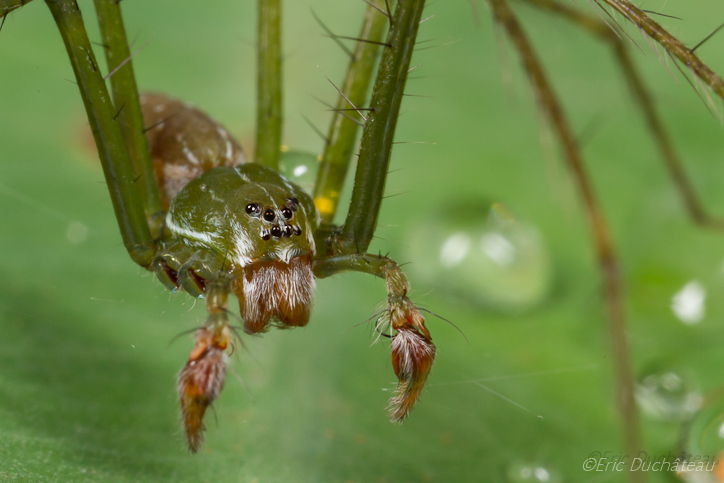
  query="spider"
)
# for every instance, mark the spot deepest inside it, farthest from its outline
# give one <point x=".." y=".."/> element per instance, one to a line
<point x="192" y="210"/>
<point x="189" y="279"/>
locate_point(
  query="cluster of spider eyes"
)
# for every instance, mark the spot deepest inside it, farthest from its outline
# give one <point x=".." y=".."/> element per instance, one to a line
<point x="269" y="215"/>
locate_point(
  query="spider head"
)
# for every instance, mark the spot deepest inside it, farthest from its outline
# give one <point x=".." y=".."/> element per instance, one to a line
<point x="245" y="214"/>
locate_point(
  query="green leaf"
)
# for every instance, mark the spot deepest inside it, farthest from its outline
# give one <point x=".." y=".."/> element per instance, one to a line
<point x="87" y="379"/>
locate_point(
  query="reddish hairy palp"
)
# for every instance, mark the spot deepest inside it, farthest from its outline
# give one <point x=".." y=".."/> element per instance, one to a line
<point x="412" y="355"/>
<point x="201" y="382"/>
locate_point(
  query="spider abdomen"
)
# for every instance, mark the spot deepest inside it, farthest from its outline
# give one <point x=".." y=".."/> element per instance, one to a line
<point x="184" y="142"/>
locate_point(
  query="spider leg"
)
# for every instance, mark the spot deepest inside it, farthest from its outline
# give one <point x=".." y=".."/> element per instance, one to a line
<point x="412" y="349"/>
<point x="343" y="130"/>
<point x="269" y="84"/>
<point x="379" y="130"/>
<point x="605" y="250"/>
<point x="126" y="101"/>
<point x="667" y="151"/>
<point x="199" y="268"/>
<point x="7" y="6"/>
<point x="672" y="45"/>
<point x="112" y="149"/>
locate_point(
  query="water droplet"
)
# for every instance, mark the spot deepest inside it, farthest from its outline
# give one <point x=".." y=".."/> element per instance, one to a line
<point x="520" y="472"/>
<point x="688" y="303"/>
<point x="300" y="168"/>
<point x="705" y="439"/>
<point x="454" y="249"/>
<point x="481" y="254"/>
<point x="77" y="232"/>
<point x="668" y="395"/>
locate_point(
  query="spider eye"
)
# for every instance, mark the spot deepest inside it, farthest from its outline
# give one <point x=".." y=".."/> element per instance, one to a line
<point x="297" y="231"/>
<point x="293" y="203"/>
<point x="265" y="235"/>
<point x="253" y="209"/>
<point x="276" y="231"/>
<point x="269" y="214"/>
<point x="287" y="231"/>
<point x="287" y="213"/>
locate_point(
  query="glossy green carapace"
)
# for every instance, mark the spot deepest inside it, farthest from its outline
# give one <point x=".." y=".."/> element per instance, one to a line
<point x="243" y="215"/>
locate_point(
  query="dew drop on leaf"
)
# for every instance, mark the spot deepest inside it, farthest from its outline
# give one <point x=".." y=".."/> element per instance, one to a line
<point x="688" y="304"/>
<point x="704" y="441"/>
<point x="480" y="253"/>
<point x="300" y="168"/>
<point x="668" y="394"/>
<point x="520" y="472"/>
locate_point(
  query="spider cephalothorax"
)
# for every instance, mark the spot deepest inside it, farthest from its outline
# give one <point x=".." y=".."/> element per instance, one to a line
<point x="258" y="226"/>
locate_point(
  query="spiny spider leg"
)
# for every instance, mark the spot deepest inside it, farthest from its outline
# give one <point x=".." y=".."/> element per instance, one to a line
<point x="605" y="250"/>
<point x="667" y="151"/>
<point x="117" y="164"/>
<point x="672" y="45"/>
<point x="342" y="130"/>
<point x="412" y="349"/>
<point x="269" y="84"/>
<point x="177" y="265"/>
<point x="127" y="104"/>
<point x="379" y="131"/>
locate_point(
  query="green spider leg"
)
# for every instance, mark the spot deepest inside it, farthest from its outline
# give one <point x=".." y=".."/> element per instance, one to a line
<point x="202" y="378"/>
<point x="7" y="6"/>
<point x="341" y="249"/>
<point x="127" y="103"/>
<point x="269" y="84"/>
<point x="343" y="127"/>
<point x="118" y="166"/>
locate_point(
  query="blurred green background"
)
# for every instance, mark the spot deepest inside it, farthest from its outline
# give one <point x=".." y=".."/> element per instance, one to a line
<point x="87" y="377"/>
